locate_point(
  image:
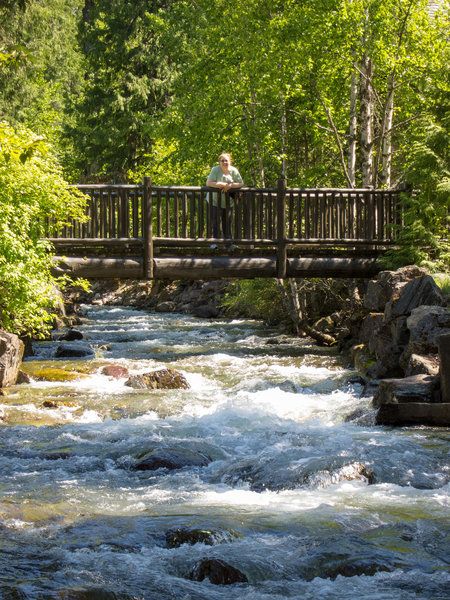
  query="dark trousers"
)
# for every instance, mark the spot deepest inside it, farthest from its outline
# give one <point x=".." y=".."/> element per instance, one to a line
<point x="219" y="217"/>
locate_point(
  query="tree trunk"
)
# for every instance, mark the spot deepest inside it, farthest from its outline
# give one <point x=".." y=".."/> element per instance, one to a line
<point x="388" y="119"/>
<point x="293" y="306"/>
<point x="353" y="124"/>
<point x="290" y="306"/>
<point x="367" y="115"/>
<point x="256" y="144"/>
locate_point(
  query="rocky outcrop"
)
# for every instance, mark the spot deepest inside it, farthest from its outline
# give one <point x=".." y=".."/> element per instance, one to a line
<point x="11" y="354"/>
<point x="404" y="317"/>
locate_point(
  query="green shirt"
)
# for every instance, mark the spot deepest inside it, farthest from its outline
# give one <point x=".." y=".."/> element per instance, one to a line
<point x="217" y="174"/>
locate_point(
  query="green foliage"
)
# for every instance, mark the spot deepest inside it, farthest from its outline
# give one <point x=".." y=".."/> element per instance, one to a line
<point x="40" y="70"/>
<point x="126" y="81"/>
<point x="32" y="192"/>
<point x="255" y="299"/>
<point x="425" y="234"/>
<point x="443" y="281"/>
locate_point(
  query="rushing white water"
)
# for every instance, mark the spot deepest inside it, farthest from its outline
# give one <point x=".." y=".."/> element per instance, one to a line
<point x="291" y="449"/>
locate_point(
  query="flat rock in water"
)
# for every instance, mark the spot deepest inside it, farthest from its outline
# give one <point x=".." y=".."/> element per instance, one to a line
<point x="73" y="351"/>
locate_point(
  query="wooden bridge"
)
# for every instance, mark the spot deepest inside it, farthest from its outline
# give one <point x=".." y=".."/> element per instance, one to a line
<point x="165" y="232"/>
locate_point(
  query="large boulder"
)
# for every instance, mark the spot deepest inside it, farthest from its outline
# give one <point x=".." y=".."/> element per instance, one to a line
<point x="425" y="324"/>
<point x="407" y="296"/>
<point x="380" y="290"/>
<point x="11" y="354"/>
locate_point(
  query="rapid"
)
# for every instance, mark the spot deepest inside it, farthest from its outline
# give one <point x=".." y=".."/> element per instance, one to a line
<point x="301" y="492"/>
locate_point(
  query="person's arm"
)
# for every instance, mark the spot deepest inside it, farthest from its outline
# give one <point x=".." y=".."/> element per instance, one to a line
<point x="216" y="184"/>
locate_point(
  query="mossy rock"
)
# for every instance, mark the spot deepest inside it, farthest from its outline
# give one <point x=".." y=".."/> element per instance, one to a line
<point x="57" y="404"/>
<point x="55" y="374"/>
<point x="163" y="379"/>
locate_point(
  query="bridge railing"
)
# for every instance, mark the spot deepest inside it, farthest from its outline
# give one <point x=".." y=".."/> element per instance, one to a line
<point x="177" y="213"/>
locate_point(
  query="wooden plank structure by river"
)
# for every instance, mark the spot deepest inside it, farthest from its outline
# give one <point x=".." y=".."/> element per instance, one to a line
<point x="166" y="232"/>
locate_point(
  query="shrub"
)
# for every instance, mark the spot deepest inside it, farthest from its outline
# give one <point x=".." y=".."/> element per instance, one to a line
<point x="32" y="194"/>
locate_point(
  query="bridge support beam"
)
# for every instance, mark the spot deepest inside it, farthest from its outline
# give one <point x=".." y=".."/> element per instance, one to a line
<point x="218" y="267"/>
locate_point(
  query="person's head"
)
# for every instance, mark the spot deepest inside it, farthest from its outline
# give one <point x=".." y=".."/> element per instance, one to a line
<point x="225" y="160"/>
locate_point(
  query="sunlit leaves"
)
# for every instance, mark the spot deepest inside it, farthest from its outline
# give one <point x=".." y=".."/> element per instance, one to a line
<point x="32" y="193"/>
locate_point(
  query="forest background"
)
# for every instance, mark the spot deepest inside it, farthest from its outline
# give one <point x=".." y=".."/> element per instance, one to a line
<point x="327" y="93"/>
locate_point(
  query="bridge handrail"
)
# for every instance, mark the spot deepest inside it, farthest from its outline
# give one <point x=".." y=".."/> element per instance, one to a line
<point x="184" y="212"/>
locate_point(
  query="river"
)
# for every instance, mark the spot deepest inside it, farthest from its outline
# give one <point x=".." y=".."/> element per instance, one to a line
<point x="301" y="491"/>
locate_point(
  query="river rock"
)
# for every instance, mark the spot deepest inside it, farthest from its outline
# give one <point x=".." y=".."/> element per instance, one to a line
<point x="351" y="557"/>
<point x="11" y="354"/>
<point x="115" y="371"/>
<point x="23" y="377"/>
<point x="56" y="374"/>
<point x="207" y="311"/>
<point x="217" y="571"/>
<point x="167" y="306"/>
<point x="185" y="535"/>
<point x="171" y="458"/>
<point x="163" y="379"/>
<point x="73" y="351"/>
<point x="319" y="472"/>
<point x="72" y="335"/>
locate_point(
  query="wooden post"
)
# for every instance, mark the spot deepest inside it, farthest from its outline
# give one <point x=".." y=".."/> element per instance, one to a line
<point x="281" y="229"/>
<point x="147" y="218"/>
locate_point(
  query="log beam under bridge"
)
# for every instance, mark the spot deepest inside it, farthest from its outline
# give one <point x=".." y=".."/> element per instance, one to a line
<point x="217" y="267"/>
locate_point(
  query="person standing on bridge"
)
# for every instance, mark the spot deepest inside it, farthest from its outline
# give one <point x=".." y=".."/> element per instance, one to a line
<point x="226" y="178"/>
